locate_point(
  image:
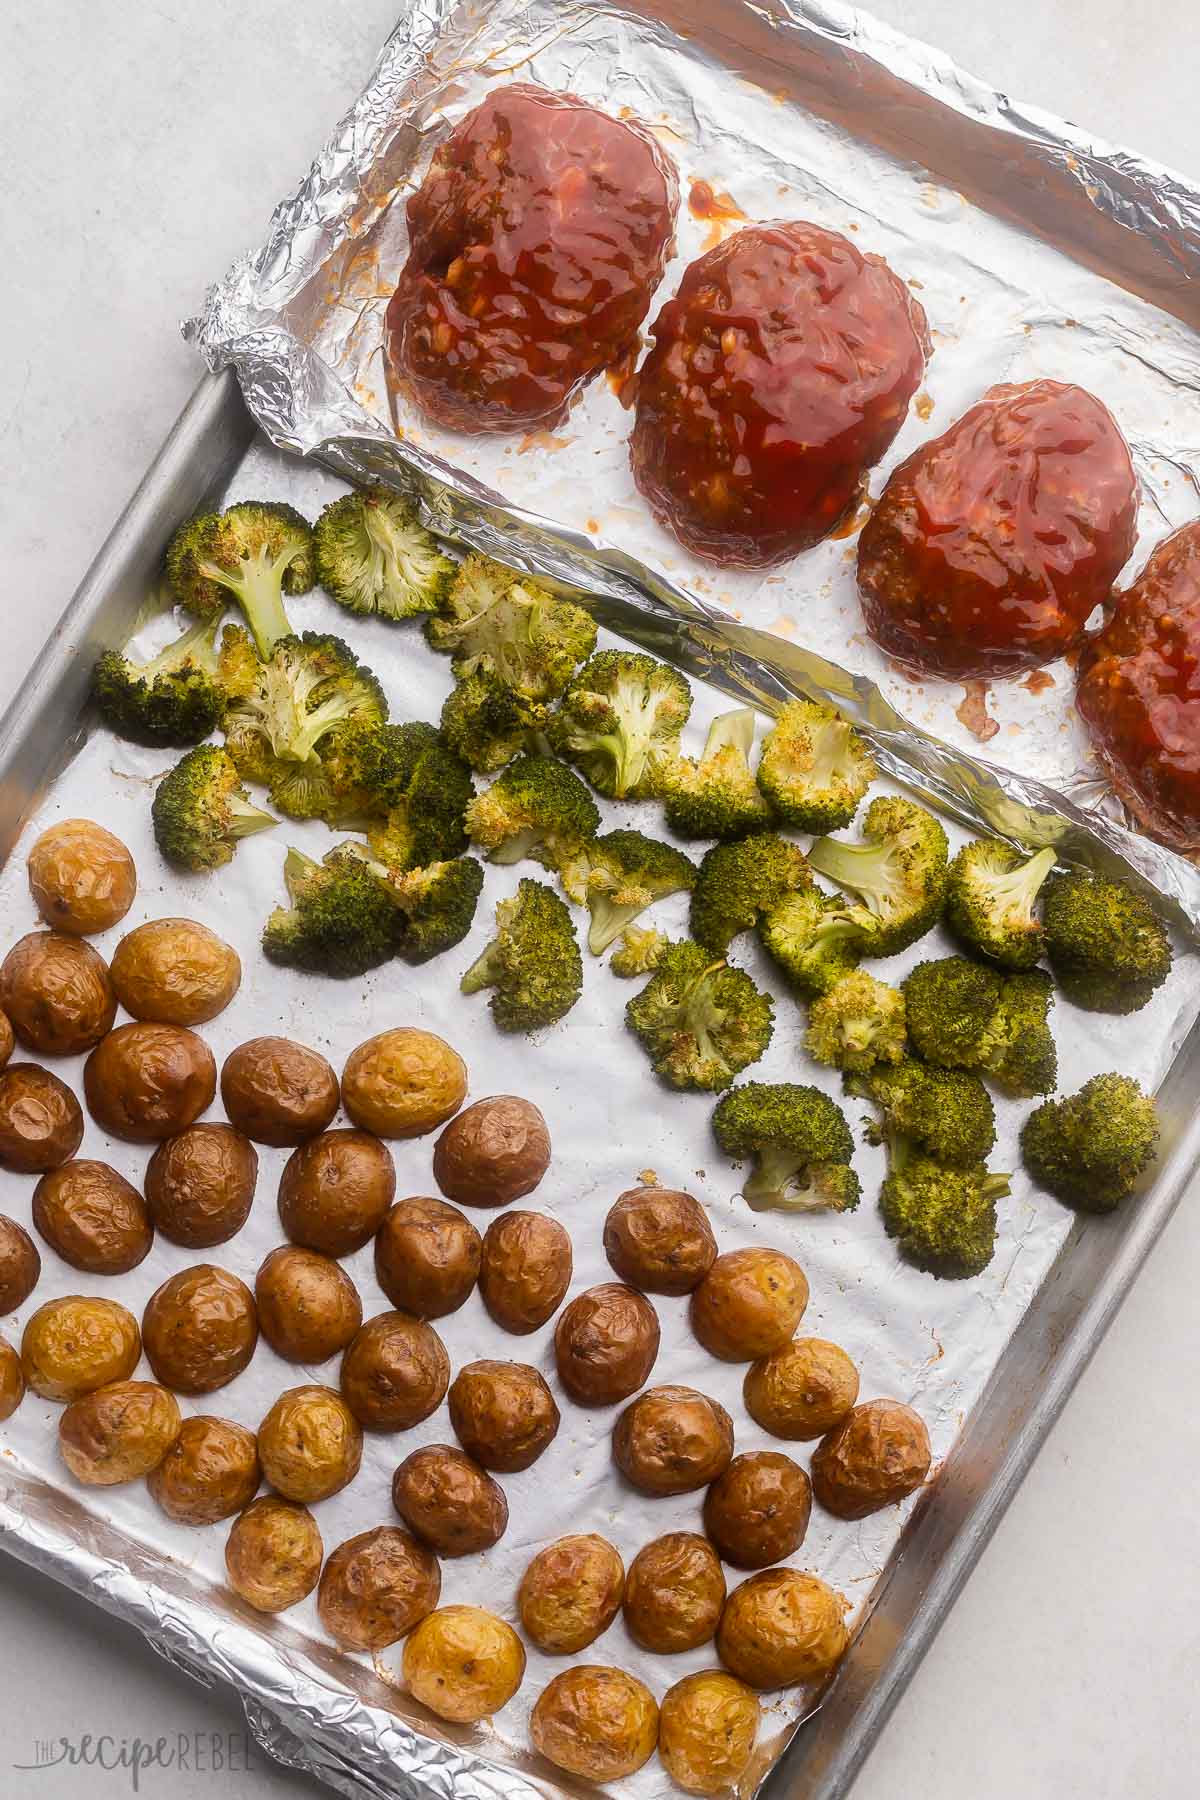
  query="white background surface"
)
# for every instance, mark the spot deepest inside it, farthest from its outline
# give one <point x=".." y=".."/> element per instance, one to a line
<point x="142" y="147"/>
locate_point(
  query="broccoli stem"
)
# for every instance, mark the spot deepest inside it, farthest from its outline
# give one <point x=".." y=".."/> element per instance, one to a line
<point x="775" y="1169"/>
<point x="195" y="646"/>
<point x="258" y="590"/>
<point x="609" y="921"/>
<point x="296" y="870"/>
<point x="995" y="1187"/>
<point x="1018" y="890"/>
<point x="865" y="868"/>
<point x="517" y="847"/>
<point x="482" y="972"/>
<point x="732" y="730"/>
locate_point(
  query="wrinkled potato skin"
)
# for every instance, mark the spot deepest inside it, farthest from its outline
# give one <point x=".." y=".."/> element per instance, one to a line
<point x="200" y="1185"/>
<point x="310" y="1444"/>
<point x="596" y="1723"/>
<point x="12" y="1380"/>
<point x="570" y="1593"/>
<point x="757" y="1512"/>
<point x="403" y="1083"/>
<point x="41" y="1124"/>
<point x="20" y="1265"/>
<point x="878" y="1454"/>
<point x="749" y="1304"/>
<point x="95" y="1219"/>
<point x="277" y="1092"/>
<point x="176" y="972"/>
<point x="493" y="1153"/>
<point x="395" y="1372"/>
<point x="707" y="1726"/>
<point x="525" y="1271"/>
<point x="674" y="1593"/>
<point x="780" y="1628"/>
<point x="118" y="1433"/>
<point x="801" y="1391"/>
<point x="449" y="1502"/>
<point x="81" y="877"/>
<point x="605" y="1344"/>
<point x="335" y="1192"/>
<point x="427" y="1257"/>
<point x="273" y="1555"/>
<point x="503" y="1414"/>
<point x="463" y="1663"/>
<point x="659" y="1240"/>
<point x="57" y="993"/>
<point x="200" y="1329"/>
<point x="210" y="1472"/>
<point x="76" y="1344"/>
<point x="7" y="1038"/>
<point x="672" y="1440"/>
<point x="376" y="1587"/>
<point x="145" y="1082"/>
<point x="308" y="1307"/>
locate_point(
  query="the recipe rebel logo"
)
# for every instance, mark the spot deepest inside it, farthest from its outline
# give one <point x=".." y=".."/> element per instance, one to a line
<point x="218" y="1753"/>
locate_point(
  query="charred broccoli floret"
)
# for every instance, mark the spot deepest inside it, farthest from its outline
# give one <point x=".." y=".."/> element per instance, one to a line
<point x="799" y="1142"/>
<point x="617" y="876"/>
<point x="717" y="797"/>
<point x="816" y="938"/>
<point x="738" y="883"/>
<point x="435" y="905"/>
<point x="1090" y="1148"/>
<point x="946" y="1114"/>
<point x="858" y="1023"/>
<point x="620" y="722"/>
<point x="532" y="965"/>
<point x="699" y="1021"/>
<point x="494" y="621"/>
<point x="537" y="807"/>
<point x="943" y="1219"/>
<point x="899" y="873"/>
<point x="402" y="786"/>
<point x="256" y="551"/>
<point x="176" y="698"/>
<point x="991" y="893"/>
<point x="639" y="951"/>
<point x="963" y="1016"/>
<point x="373" y="555"/>
<point x="814" y="767"/>
<point x="488" y="723"/>
<point x="340" y="920"/>
<point x="201" y="811"/>
<point x="1107" y="945"/>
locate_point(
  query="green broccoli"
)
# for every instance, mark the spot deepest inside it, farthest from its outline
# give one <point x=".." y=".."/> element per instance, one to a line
<point x="257" y="551"/>
<point x="799" y="1142"/>
<point x="201" y="811"/>
<point x="991" y="892"/>
<point x="1107" y="945"/>
<point x="537" y="807"/>
<point x="639" y="952"/>
<point x="858" y="1023"/>
<point x="1018" y="1050"/>
<point x="817" y="938"/>
<point x="699" y="1021"/>
<point x="176" y="698"/>
<point x="814" y="767"/>
<point x="533" y="963"/>
<point x="963" y="1016"/>
<point x="401" y="785"/>
<point x="488" y="723"/>
<point x="899" y="873"/>
<point x="617" y="876"/>
<point x="494" y="621"/>
<point x="620" y="722"/>
<point x="738" y="883"/>
<point x="374" y="556"/>
<point x="943" y="1219"/>
<point x="436" y="904"/>
<point x="1090" y="1148"/>
<point x="340" y="921"/>
<point x="717" y="797"/>
<point x="946" y="1114"/>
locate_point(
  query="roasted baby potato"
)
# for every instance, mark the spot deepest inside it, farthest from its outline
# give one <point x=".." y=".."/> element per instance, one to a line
<point x="310" y="1444"/>
<point x="782" y="1627"/>
<point x="200" y="1185"/>
<point x="175" y="971"/>
<point x="335" y="1192"/>
<point x="274" y="1553"/>
<point x="76" y="1344"/>
<point x="95" y="1219"/>
<point x="118" y="1433"/>
<point x="503" y="1414"/>
<point x="878" y="1454"/>
<point x="749" y="1304"/>
<point x="376" y="1587"/>
<point x="571" y="1593"/>
<point x="707" y="1727"/>
<point x="308" y="1307"/>
<point x="449" y="1502"/>
<point x="525" y="1270"/>
<point x="57" y="993"/>
<point x="7" y="1039"/>
<point x="674" y="1593"/>
<point x="200" y="1329"/>
<point x="145" y="1082"/>
<point x="427" y="1257"/>
<point x="605" y="1344"/>
<point x="210" y="1472"/>
<point x="20" y="1265"/>
<point x="81" y="877"/>
<point x="41" y="1124"/>
<point x="463" y="1663"/>
<point x="395" y="1372"/>
<point x="493" y="1153"/>
<point x="757" y="1512"/>
<point x="403" y="1083"/>
<point x="277" y="1092"/>
<point x="659" y="1240"/>
<point x="672" y="1440"/>
<point x="12" y="1380"/>
<point x="801" y="1391"/>
<point x="596" y="1723"/>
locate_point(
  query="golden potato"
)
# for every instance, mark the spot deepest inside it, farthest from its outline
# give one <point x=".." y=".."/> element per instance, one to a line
<point x="277" y="1092"/>
<point x="757" y="1511"/>
<point x="176" y="972"/>
<point x="308" y="1307"/>
<point x="395" y="1372"/>
<point x="200" y="1185"/>
<point x="605" y="1344"/>
<point x="801" y="1391"/>
<point x="57" y="994"/>
<point x="118" y="1433"/>
<point x="659" y="1240"/>
<point x="41" y="1124"/>
<point x="596" y="1723"/>
<point x="20" y="1265"/>
<point x="95" y="1219"/>
<point x="782" y="1627"/>
<point x="672" y="1440"/>
<point x="403" y="1083"/>
<point x="571" y="1593"/>
<point x="12" y="1380"/>
<point x="493" y="1153"/>
<point x="310" y="1444"/>
<point x="879" y="1454"/>
<point x="376" y="1587"/>
<point x="81" y="877"/>
<point x="210" y="1472"/>
<point x="200" y="1329"/>
<point x="274" y="1553"/>
<point x="503" y="1414"/>
<point x="749" y="1304"/>
<point x="674" y="1593"/>
<point x="449" y="1502"/>
<point x="76" y="1344"/>
<point x="463" y="1663"/>
<point x="525" y="1270"/>
<point x="707" y="1727"/>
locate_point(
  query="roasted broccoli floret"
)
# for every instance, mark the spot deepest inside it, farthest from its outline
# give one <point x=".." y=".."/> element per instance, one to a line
<point x="617" y="876"/>
<point x="858" y="1023"/>
<point x="201" y="811"/>
<point x="403" y="787"/>
<point x="435" y="905"/>
<point x="717" y="797"/>
<point x="899" y="873"/>
<point x="738" y="883"/>
<point x="1018" y="1050"/>
<point x="537" y="807"/>
<point x="963" y="1016"/>
<point x="946" y="1114"/>
<point x="175" y="698"/>
<point x="817" y="938"/>
<point x="799" y="1142"/>
<point x="639" y="951"/>
<point x="699" y="1021"/>
<point x="620" y="722"/>
<point x="256" y="551"/>
<point x="340" y="921"/>
<point x="1107" y="945"/>
<point x="494" y="621"/>
<point x="487" y="723"/>
<point x="532" y="965"/>
<point x="1090" y="1148"/>
<point x="814" y="767"/>
<point x="373" y="555"/>
<point x="943" y="1219"/>
<point x="991" y="893"/>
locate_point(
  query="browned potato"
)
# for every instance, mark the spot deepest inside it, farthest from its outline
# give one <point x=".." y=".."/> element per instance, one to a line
<point x="605" y="1344"/>
<point x="595" y="1722"/>
<point x="277" y="1092"/>
<point x="308" y="1307"/>
<point x="749" y="1304"/>
<point x="210" y="1472"/>
<point x="12" y="1380"/>
<point x="672" y="1440"/>
<point x="335" y="1192"/>
<point x="310" y="1444"/>
<point x="20" y="1265"/>
<point x="118" y="1433"/>
<point x="571" y="1593"/>
<point x="674" y="1594"/>
<point x="493" y="1153"/>
<point x="464" y="1664"/>
<point x="200" y="1329"/>
<point x="801" y="1391"/>
<point x="878" y="1454"/>
<point x="81" y="877"/>
<point x="757" y="1512"/>
<point x="41" y="1124"/>
<point x="427" y="1257"/>
<point x="503" y="1414"/>
<point x="660" y="1240"/>
<point x="145" y="1082"/>
<point x="449" y="1502"/>
<point x="95" y="1219"/>
<point x="376" y="1587"/>
<point x="57" y="993"/>
<point x="707" y="1726"/>
<point x="200" y="1185"/>
<point x="274" y="1554"/>
<point x="7" y="1038"/>
<point x="782" y="1627"/>
<point x="175" y="971"/>
<point x="403" y="1083"/>
<point x="525" y="1270"/>
<point x="76" y="1344"/>
<point x="395" y="1372"/>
